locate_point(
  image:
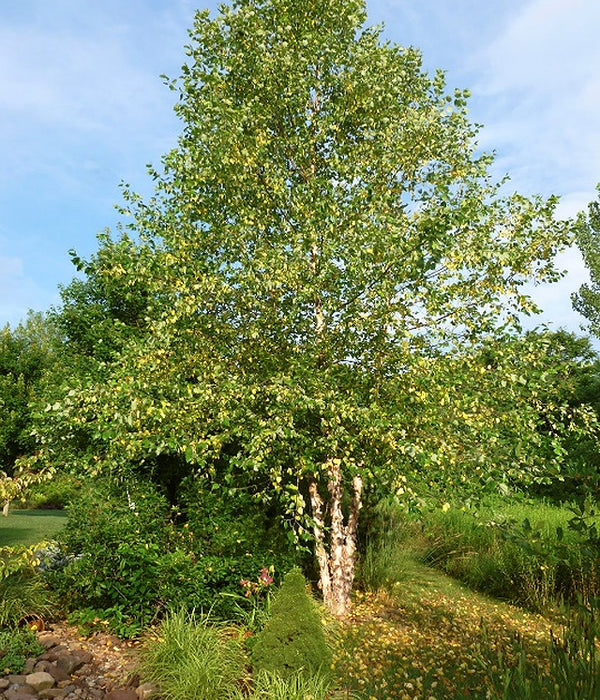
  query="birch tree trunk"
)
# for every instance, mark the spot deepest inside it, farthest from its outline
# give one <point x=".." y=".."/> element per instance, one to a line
<point x="336" y="557"/>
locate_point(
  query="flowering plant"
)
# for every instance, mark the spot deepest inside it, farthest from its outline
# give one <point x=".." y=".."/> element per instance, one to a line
<point x="262" y="583"/>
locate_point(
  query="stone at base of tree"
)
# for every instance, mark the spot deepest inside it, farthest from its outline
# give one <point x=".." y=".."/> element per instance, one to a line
<point x="40" y="681"/>
<point x="19" y="693"/>
<point x="146" y="691"/>
<point x="122" y="694"/>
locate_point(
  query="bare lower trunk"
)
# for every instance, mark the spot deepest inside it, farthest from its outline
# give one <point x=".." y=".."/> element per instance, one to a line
<point x="336" y="562"/>
<point x="5" y="508"/>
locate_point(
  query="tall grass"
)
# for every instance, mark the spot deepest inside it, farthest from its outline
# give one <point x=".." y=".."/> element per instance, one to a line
<point x="385" y="560"/>
<point x="193" y="659"/>
<point x="521" y="551"/>
<point x="271" y="686"/>
<point x="23" y="593"/>
<point x="572" y="672"/>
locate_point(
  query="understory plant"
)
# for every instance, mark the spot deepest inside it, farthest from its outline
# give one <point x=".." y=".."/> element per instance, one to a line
<point x="192" y="658"/>
<point x="17" y="645"/>
<point x="572" y="671"/>
<point x="293" y="640"/>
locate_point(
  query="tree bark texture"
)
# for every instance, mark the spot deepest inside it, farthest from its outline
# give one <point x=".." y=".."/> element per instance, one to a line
<point x="336" y="554"/>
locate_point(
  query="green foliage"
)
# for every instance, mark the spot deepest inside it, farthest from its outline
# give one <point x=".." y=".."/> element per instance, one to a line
<point x="17" y="645"/>
<point x="192" y="659"/>
<point x="234" y="523"/>
<point x="26" y="353"/>
<point x="54" y="494"/>
<point x="300" y="686"/>
<point x="129" y="562"/>
<point x="292" y="641"/>
<point x="123" y="554"/>
<point x="100" y="314"/>
<point x="587" y="300"/>
<point x="573" y="670"/>
<point x="324" y="229"/>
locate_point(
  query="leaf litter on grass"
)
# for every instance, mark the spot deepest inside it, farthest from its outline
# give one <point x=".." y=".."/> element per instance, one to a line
<point x="431" y="639"/>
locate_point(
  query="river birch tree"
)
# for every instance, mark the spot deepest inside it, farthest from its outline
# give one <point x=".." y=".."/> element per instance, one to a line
<point x="325" y="226"/>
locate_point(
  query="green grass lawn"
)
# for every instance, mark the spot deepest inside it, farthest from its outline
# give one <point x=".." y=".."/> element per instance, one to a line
<point x="27" y="527"/>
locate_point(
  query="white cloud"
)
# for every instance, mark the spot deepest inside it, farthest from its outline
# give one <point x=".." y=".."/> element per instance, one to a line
<point x="539" y="91"/>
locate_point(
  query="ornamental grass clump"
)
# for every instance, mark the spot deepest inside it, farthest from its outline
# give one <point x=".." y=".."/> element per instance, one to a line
<point x="292" y="641"/>
<point x="193" y="659"/>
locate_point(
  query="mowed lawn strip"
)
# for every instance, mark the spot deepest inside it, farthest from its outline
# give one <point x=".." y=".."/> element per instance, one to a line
<point x="27" y="527"/>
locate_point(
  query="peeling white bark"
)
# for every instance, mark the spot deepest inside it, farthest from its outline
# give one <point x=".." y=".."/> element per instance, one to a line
<point x="336" y="558"/>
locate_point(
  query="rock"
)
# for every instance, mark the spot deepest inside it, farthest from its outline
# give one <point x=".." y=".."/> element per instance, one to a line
<point x="53" y="653"/>
<point x="15" y="679"/>
<point x="4" y="684"/>
<point x="68" y="663"/>
<point x="147" y="690"/>
<point x="29" y="666"/>
<point x="19" y="692"/>
<point x="40" y="681"/>
<point x="58" y="673"/>
<point x="66" y="684"/>
<point x="122" y="694"/>
<point x="48" y="640"/>
<point x="53" y="693"/>
<point x="42" y="666"/>
<point x="85" y="657"/>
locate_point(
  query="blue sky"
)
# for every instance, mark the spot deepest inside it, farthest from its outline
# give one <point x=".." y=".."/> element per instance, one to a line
<point x="82" y="108"/>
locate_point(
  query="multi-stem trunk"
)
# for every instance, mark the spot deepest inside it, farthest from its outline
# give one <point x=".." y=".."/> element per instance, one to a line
<point x="336" y="554"/>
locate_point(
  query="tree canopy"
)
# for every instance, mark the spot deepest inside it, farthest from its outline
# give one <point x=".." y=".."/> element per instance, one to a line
<point x="323" y="243"/>
<point x="587" y="299"/>
<point x="27" y="354"/>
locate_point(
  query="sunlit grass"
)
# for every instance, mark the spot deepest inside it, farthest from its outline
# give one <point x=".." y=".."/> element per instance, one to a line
<point x="27" y="527"/>
<point x="431" y="638"/>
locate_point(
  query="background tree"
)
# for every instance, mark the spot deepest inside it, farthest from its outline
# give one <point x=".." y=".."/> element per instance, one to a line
<point x="587" y="300"/>
<point x="512" y="413"/>
<point x="27" y="353"/>
<point x="324" y="228"/>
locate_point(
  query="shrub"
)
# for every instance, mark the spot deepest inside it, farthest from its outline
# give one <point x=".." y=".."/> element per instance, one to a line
<point x="17" y="645"/>
<point x="233" y="538"/>
<point x="191" y="659"/>
<point x="125" y="556"/>
<point x="292" y="641"/>
<point x="55" y="493"/>
<point x="231" y="523"/>
<point x="121" y="551"/>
